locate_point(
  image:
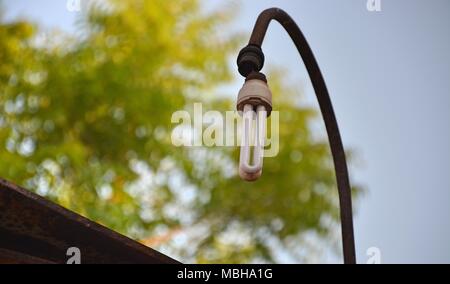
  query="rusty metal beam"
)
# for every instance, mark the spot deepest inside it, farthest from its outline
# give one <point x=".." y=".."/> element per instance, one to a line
<point x="35" y="230"/>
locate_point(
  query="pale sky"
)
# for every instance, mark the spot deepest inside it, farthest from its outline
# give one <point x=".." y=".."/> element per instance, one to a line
<point x="388" y="75"/>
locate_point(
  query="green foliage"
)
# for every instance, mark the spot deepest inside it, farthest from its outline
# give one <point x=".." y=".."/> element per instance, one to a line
<point x="86" y="123"/>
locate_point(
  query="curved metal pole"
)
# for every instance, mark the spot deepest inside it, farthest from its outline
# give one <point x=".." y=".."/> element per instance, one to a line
<point x="337" y="149"/>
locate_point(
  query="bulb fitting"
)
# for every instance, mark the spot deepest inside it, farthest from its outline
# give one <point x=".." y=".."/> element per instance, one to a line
<point x="255" y="92"/>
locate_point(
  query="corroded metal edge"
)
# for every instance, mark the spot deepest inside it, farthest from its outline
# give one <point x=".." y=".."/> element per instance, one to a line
<point x="34" y="227"/>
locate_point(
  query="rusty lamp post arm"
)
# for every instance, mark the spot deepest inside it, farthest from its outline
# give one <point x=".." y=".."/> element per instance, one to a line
<point x="251" y="59"/>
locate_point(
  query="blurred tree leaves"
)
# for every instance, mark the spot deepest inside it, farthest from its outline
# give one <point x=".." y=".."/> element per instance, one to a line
<point x="86" y="123"/>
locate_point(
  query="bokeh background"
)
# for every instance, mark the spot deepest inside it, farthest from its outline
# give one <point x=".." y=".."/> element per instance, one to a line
<point x="86" y="98"/>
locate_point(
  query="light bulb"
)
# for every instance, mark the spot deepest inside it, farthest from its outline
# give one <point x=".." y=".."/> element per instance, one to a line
<point x="252" y="171"/>
<point x="255" y="102"/>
